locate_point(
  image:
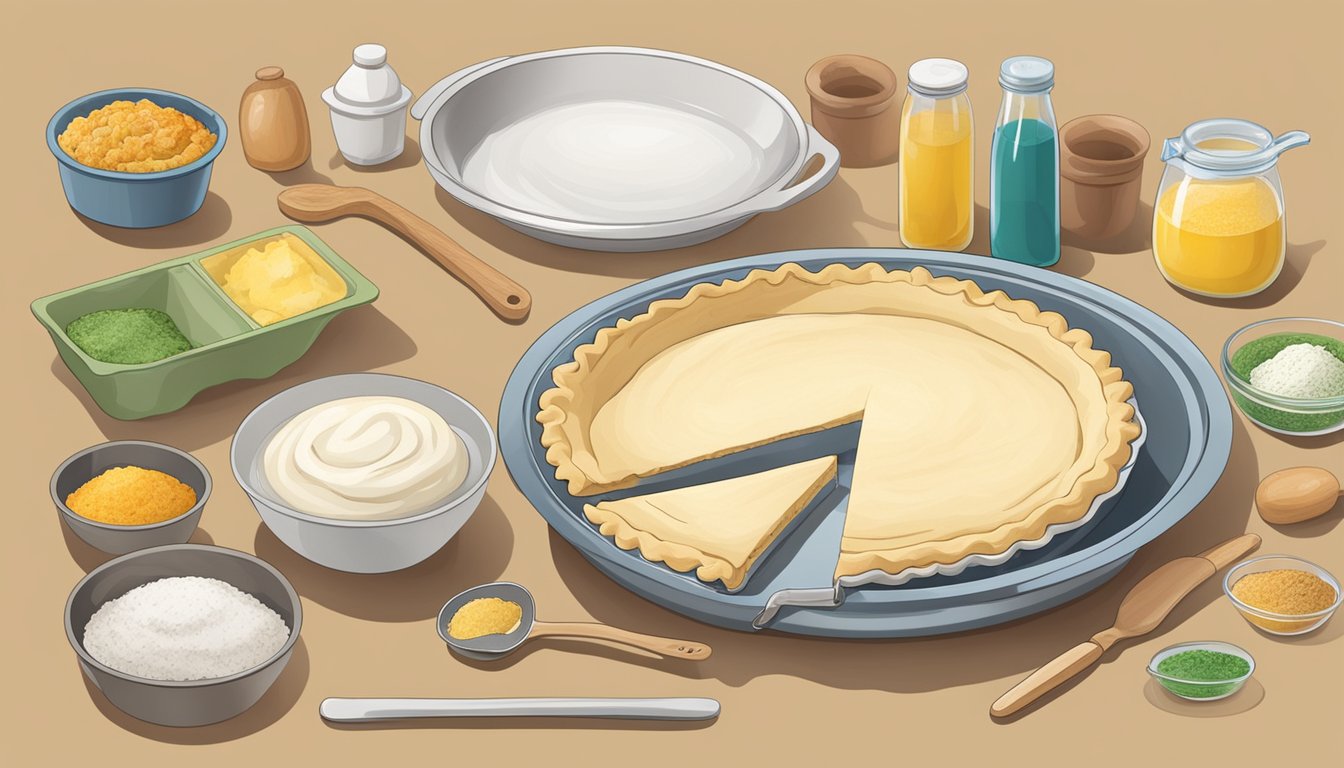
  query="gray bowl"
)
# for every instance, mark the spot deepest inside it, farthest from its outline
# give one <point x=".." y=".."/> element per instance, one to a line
<point x="120" y="539"/>
<point x="192" y="702"/>
<point x="363" y="546"/>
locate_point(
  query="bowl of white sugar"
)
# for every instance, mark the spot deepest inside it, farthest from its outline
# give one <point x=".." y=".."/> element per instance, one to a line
<point x="184" y="634"/>
<point x="1287" y="374"/>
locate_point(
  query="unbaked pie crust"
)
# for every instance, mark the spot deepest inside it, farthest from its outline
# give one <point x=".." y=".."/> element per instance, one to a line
<point x="985" y="419"/>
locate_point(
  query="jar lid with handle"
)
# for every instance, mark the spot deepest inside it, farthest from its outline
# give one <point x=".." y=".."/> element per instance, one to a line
<point x="1228" y="148"/>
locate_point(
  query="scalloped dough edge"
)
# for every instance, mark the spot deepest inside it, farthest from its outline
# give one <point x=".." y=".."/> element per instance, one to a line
<point x="555" y="402"/>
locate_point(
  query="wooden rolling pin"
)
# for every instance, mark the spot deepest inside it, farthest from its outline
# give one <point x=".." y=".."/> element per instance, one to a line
<point x="1146" y="605"/>
<point x="317" y="203"/>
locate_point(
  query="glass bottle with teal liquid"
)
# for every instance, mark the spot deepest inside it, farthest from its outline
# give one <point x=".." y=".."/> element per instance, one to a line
<point x="1024" y="166"/>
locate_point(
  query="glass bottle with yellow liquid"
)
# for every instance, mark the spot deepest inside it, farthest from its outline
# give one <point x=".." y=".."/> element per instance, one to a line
<point x="1218" y="226"/>
<point x="936" y="158"/>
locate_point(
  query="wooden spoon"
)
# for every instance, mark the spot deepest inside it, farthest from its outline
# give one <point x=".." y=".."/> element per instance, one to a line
<point x="1296" y="494"/>
<point x="1146" y="605"/>
<point x="317" y="203"/>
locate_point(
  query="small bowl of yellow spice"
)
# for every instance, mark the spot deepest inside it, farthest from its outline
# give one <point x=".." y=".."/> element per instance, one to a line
<point x="1283" y="595"/>
<point x="127" y="495"/>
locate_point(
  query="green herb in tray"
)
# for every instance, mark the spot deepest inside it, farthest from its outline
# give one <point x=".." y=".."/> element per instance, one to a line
<point x="1198" y="665"/>
<point x="127" y="336"/>
<point x="1253" y="353"/>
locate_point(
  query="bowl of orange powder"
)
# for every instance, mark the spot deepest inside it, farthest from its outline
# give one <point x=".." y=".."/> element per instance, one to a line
<point x="1283" y="595"/>
<point x="131" y="494"/>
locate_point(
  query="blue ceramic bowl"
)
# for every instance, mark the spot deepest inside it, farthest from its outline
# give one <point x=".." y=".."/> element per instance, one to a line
<point x="135" y="200"/>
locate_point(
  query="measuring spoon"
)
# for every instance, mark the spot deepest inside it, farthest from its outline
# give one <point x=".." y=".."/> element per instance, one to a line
<point x="492" y="647"/>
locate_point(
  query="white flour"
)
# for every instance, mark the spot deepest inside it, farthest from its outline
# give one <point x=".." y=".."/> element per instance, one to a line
<point x="184" y="628"/>
<point x="1305" y="371"/>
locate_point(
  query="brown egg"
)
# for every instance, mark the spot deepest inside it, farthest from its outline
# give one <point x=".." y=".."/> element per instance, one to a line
<point x="1296" y="494"/>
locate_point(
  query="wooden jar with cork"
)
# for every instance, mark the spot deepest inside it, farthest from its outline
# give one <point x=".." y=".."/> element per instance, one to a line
<point x="273" y="123"/>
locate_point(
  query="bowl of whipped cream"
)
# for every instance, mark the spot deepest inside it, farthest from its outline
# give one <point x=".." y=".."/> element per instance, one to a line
<point x="364" y="472"/>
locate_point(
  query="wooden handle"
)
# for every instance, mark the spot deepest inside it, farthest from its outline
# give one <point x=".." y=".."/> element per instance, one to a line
<point x="1231" y="551"/>
<point x="663" y="646"/>
<point x="1047" y="678"/>
<point x="508" y="299"/>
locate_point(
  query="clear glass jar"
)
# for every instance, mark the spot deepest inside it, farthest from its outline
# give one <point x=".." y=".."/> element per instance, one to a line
<point x="1218" y="223"/>
<point x="937" y="158"/>
<point x="1024" y="166"/>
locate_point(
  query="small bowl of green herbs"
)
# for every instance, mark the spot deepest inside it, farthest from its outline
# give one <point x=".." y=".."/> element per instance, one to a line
<point x="1287" y="374"/>
<point x="1202" y="671"/>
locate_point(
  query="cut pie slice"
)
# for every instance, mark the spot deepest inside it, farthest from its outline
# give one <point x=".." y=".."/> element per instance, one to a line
<point x="717" y="529"/>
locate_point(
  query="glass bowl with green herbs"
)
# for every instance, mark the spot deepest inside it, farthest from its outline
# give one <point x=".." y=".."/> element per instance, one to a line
<point x="1287" y="374"/>
<point x="1205" y="671"/>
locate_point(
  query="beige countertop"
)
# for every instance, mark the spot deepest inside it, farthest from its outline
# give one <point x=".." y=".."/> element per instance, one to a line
<point x="785" y="699"/>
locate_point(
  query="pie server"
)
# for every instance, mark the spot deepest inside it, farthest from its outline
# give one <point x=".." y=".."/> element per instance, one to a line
<point x="492" y="647"/>
<point x="339" y="710"/>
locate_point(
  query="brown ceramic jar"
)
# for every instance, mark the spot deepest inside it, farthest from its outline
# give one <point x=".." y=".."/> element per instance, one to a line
<point x="851" y="106"/>
<point x="273" y="123"/>
<point x="1101" y="173"/>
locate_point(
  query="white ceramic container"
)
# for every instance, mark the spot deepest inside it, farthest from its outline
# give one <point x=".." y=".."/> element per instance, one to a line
<point x="368" y="108"/>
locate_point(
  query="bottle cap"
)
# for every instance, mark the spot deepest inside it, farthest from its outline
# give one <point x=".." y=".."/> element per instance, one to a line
<point x="270" y="73"/>
<point x="369" y="82"/>
<point x="370" y="55"/>
<point x="938" y="77"/>
<point x="1028" y="74"/>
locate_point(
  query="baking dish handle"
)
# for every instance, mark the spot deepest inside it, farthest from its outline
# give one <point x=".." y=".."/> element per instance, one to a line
<point x="817" y="145"/>
<point x="426" y="101"/>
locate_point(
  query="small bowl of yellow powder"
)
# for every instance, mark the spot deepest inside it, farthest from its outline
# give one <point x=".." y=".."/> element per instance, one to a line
<point x="1283" y="595"/>
<point x="131" y="494"/>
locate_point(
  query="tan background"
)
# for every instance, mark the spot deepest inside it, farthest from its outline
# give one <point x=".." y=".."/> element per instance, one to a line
<point x="796" y="700"/>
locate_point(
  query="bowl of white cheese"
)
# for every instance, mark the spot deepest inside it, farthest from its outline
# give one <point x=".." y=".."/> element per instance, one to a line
<point x="183" y="634"/>
<point x="364" y="472"/>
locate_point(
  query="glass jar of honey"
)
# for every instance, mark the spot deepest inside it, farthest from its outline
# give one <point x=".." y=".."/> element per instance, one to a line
<point x="1218" y="225"/>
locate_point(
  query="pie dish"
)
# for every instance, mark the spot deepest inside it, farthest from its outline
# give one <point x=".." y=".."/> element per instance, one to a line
<point x="984" y="419"/>
<point x="720" y="529"/>
<point x="614" y="148"/>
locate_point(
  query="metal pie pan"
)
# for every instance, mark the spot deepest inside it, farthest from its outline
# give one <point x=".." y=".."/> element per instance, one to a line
<point x="564" y="146"/>
<point x="1188" y="439"/>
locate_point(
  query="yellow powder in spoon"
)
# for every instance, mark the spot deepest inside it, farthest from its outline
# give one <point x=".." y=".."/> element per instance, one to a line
<point x="484" y="616"/>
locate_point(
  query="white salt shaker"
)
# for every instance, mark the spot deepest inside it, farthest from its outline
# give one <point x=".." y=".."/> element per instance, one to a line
<point x="368" y="108"/>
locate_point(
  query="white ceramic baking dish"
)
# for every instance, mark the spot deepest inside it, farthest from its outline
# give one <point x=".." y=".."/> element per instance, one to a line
<point x="618" y="149"/>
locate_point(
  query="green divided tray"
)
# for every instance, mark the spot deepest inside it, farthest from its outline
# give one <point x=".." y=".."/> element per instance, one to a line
<point x="227" y="344"/>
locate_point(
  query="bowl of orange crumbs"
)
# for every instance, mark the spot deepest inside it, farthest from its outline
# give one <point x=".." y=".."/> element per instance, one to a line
<point x="1283" y="595"/>
<point x="135" y="157"/>
<point x="131" y="494"/>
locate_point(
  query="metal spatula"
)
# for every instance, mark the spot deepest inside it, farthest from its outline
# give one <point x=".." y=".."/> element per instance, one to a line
<point x="375" y="710"/>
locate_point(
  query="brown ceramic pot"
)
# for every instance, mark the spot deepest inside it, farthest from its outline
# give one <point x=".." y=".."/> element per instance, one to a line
<point x="1101" y="173"/>
<point x="851" y="99"/>
<point x="273" y="123"/>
